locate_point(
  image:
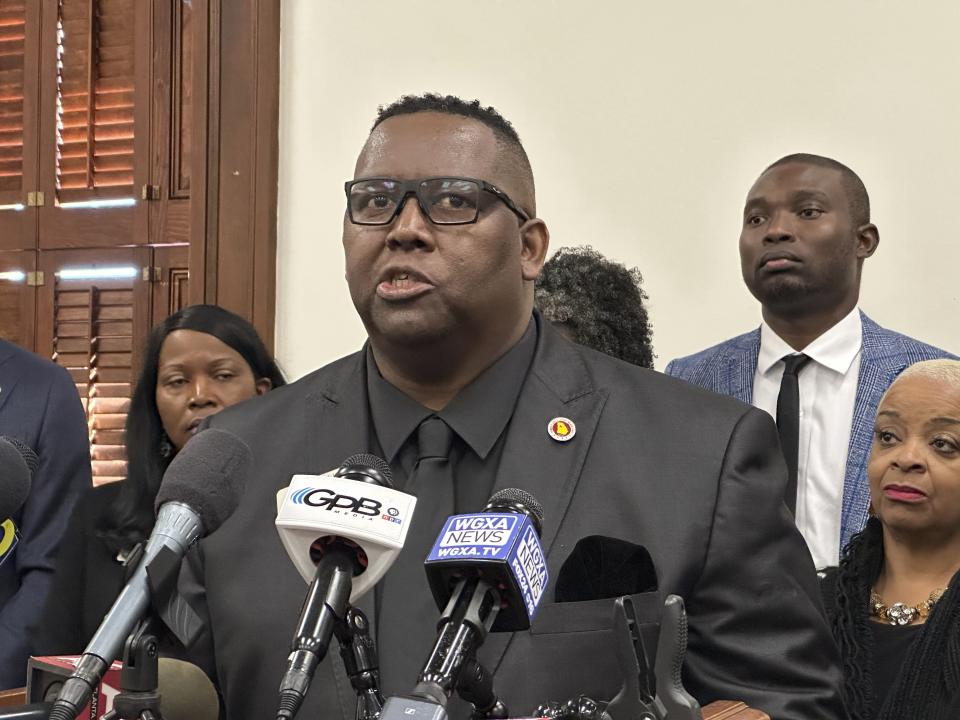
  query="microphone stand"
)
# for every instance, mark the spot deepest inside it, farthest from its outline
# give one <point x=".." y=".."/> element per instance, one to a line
<point x="452" y="665"/>
<point x="139" y="698"/>
<point x="359" y="654"/>
<point x="464" y="625"/>
<point x="475" y="686"/>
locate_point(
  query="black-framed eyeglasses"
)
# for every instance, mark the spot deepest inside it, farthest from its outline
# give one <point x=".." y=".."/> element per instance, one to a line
<point x="445" y="200"/>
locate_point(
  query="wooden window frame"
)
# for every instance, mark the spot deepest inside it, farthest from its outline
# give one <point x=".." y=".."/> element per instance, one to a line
<point x="235" y="147"/>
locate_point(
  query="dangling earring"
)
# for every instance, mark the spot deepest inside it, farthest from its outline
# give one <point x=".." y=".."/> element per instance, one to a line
<point x="166" y="447"/>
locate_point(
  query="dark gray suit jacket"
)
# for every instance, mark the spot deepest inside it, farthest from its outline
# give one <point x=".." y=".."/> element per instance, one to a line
<point x="39" y="405"/>
<point x="695" y="477"/>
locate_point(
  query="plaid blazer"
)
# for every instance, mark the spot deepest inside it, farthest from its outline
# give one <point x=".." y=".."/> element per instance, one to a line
<point x="728" y="369"/>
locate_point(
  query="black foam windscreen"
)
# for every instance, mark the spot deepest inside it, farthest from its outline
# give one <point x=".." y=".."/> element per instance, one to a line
<point x="26" y="452"/>
<point x="366" y="467"/>
<point x="601" y="567"/>
<point x="517" y="500"/>
<point x="208" y="475"/>
<point x="15" y="474"/>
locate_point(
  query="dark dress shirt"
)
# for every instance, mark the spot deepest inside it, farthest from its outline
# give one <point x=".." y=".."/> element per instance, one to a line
<point x="478" y="416"/>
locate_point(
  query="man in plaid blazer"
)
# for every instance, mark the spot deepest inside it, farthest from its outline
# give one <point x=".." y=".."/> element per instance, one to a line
<point x="806" y="233"/>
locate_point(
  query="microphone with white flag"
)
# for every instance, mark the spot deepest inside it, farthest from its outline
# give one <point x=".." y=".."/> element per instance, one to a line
<point x="342" y="531"/>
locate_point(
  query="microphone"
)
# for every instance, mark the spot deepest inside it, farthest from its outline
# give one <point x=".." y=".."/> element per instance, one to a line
<point x="342" y="533"/>
<point x="200" y="490"/>
<point x="488" y="572"/>
<point x="18" y="462"/>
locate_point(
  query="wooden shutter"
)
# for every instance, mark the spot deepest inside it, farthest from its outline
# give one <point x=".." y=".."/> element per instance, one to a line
<point x="13" y="24"/>
<point x="19" y="78"/>
<point x="96" y="328"/>
<point x="95" y="100"/>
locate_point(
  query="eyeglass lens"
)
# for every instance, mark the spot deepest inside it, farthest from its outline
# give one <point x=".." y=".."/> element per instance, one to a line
<point x="446" y="200"/>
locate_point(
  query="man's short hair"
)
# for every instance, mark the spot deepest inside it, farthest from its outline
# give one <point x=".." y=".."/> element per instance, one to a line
<point x="599" y="301"/>
<point x="857" y="198"/>
<point x="503" y="130"/>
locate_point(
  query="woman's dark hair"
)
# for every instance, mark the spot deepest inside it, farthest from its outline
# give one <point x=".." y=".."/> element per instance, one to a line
<point x="859" y="569"/>
<point x="600" y="301"/>
<point x="131" y="517"/>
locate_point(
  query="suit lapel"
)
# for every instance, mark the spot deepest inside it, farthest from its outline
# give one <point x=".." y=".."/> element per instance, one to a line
<point x="877" y="371"/>
<point x="557" y="386"/>
<point x="740" y="367"/>
<point x="338" y="415"/>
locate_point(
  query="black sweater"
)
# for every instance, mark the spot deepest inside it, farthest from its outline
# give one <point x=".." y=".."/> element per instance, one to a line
<point x="928" y="673"/>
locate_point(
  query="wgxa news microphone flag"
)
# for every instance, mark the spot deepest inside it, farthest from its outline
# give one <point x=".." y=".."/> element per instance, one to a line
<point x="507" y="545"/>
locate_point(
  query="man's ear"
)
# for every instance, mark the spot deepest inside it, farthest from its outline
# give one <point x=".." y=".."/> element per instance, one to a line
<point x="536" y="241"/>
<point x="868" y="238"/>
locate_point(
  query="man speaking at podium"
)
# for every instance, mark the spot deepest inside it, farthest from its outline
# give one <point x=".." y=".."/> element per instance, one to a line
<point x="442" y="247"/>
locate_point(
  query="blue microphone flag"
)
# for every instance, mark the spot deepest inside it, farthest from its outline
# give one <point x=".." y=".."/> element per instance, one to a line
<point x="503" y="547"/>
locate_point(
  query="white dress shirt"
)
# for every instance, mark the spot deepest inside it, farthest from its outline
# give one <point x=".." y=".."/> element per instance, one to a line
<point x="828" y="390"/>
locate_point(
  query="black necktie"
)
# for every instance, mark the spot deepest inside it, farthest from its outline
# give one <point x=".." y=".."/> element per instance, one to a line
<point x="408" y="615"/>
<point x="788" y="422"/>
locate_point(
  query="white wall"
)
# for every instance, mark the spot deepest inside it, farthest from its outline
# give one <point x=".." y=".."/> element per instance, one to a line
<point x="676" y="106"/>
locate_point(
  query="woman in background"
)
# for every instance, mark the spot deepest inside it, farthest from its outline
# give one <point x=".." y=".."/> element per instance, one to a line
<point x="197" y="362"/>
<point x="597" y="303"/>
<point x="895" y="600"/>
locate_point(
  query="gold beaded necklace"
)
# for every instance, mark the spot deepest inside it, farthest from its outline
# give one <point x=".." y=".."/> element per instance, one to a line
<point x="900" y="613"/>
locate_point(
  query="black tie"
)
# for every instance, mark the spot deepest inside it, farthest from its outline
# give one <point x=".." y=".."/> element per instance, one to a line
<point x="408" y="614"/>
<point x="788" y="422"/>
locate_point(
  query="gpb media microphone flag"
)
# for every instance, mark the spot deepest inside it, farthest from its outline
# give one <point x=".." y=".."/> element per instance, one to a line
<point x="372" y="515"/>
<point x="342" y="532"/>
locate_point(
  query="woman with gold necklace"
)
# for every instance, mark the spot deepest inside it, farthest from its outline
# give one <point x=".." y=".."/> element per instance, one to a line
<point x="894" y="602"/>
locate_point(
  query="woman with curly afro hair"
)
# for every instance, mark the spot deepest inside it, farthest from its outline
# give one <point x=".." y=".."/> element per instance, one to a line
<point x="597" y="303"/>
